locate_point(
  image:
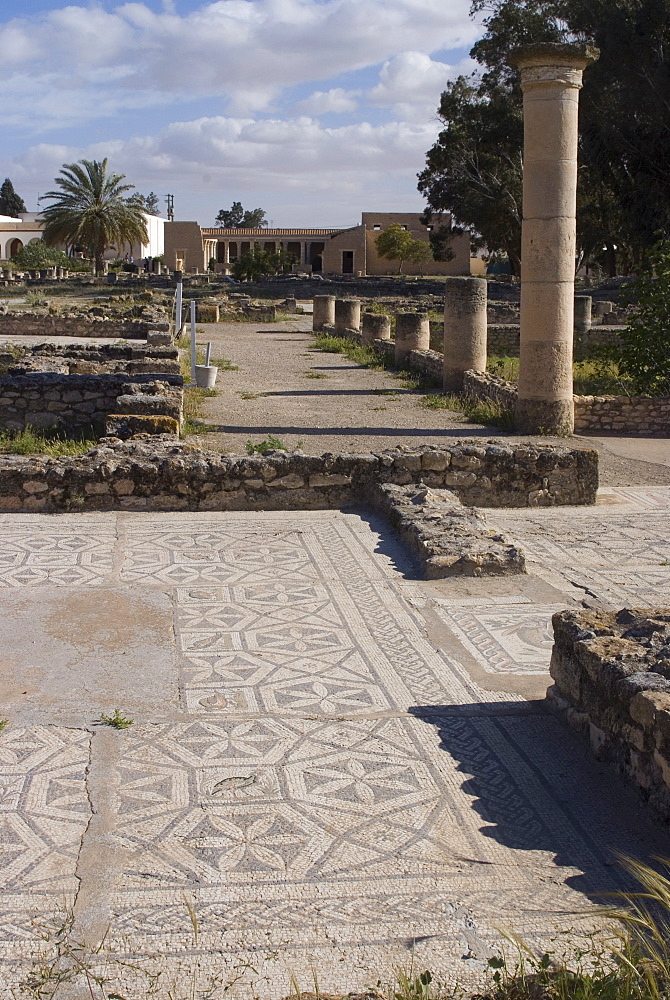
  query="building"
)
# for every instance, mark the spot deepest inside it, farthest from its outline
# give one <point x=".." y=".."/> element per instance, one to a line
<point x="27" y="228"/>
<point x="330" y="251"/>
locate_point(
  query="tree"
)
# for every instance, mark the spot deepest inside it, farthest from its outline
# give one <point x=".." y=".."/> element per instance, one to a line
<point x="35" y="256"/>
<point x="394" y="243"/>
<point x="419" y="253"/>
<point x="256" y="264"/>
<point x="237" y="218"/>
<point x="150" y="203"/>
<point x="474" y="170"/>
<point x="10" y="202"/>
<point x="90" y="211"/>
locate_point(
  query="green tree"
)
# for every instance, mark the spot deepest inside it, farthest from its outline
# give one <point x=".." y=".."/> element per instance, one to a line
<point x="237" y="218"/>
<point x="35" y="256"/>
<point x="256" y="264"/>
<point x="394" y="243"/>
<point x="419" y="253"/>
<point x="643" y="352"/>
<point x="90" y="211"/>
<point x="150" y="203"/>
<point x="10" y="202"/>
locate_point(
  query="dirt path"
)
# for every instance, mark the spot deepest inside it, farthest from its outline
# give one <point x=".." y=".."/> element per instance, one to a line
<point x="325" y="402"/>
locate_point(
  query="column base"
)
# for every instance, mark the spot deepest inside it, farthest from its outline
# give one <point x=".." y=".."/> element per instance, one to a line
<point x="452" y="382"/>
<point x="547" y="417"/>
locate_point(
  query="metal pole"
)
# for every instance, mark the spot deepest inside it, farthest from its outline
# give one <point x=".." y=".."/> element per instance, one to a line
<point x="208" y="353"/>
<point x="178" y="309"/>
<point x="193" y="341"/>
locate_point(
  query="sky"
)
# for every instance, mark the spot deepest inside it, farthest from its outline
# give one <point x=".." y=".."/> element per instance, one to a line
<point x="314" y="110"/>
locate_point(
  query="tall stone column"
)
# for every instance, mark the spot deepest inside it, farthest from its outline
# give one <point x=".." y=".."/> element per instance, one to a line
<point x="465" y="328"/>
<point x="324" y="311"/>
<point x="551" y="78"/>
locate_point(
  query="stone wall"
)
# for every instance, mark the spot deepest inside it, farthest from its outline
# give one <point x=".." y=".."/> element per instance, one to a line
<point x="73" y="402"/>
<point x="43" y="324"/>
<point x="148" y="475"/>
<point x="611" y="673"/>
<point x="641" y="415"/>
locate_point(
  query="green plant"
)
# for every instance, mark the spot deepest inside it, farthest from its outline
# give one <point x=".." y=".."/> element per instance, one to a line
<point x="476" y="411"/>
<point x="116" y="720"/>
<point x="643" y="351"/>
<point x="3" y="724"/>
<point x="251" y="395"/>
<point x="364" y="356"/>
<point x="315" y="375"/>
<point x="270" y="443"/>
<point x="33" y="442"/>
<point x="38" y="255"/>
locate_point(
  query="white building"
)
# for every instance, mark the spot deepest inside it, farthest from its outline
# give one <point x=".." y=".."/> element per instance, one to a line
<point x="27" y="228"/>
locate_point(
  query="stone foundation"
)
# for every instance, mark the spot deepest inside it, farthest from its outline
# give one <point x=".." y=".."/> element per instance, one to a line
<point x="166" y="475"/>
<point x="78" y="325"/>
<point x="448" y="538"/>
<point x="47" y="400"/>
<point x="611" y="671"/>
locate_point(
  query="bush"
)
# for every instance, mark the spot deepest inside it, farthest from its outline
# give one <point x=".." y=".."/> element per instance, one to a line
<point x="36" y="256"/>
<point x="643" y="353"/>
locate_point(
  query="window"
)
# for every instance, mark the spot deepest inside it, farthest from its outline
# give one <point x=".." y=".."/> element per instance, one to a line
<point x="376" y="226"/>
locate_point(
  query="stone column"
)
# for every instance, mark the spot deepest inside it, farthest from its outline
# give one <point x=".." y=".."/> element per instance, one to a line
<point x="551" y="77"/>
<point x="375" y="326"/>
<point x="412" y="333"/>
<point x="582" y="322"/>
<point x="347" y="315"/>
<point x="324" y="311"/>
<point x="465" y="327"/>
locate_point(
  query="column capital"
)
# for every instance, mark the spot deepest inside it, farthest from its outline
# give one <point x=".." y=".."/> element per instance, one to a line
<point x="546" y="61"/>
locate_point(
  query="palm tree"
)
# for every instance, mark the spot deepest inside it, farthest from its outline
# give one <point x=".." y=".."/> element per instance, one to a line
<point x="90" y="211"/>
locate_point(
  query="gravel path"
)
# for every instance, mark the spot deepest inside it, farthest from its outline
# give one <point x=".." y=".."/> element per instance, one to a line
<point x="325" y="402"/>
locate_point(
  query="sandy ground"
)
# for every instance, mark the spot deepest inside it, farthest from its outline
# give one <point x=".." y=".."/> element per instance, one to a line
<point x="324" y="402"/>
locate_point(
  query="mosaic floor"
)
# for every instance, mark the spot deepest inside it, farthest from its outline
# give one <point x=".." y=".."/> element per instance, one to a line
<point x="333" y="766"/>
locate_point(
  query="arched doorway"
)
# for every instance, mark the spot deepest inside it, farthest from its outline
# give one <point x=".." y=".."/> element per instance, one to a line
<point x="13" y="247"/>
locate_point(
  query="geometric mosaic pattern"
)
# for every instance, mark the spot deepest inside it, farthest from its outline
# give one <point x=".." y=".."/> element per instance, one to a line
<point x="334" y="789"/>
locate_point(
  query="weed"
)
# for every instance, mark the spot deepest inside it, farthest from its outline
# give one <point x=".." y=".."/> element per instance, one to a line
<point x="193" y="400"/>
<point x="270" y="443"/>
<point x="34" y="442"/>
<point x="116" y="720"/>
<point x="3" y="724"/>
<point x="363" y="356"/>
<point x="477" y="411"/>
<point x="315" y="375"/>
<point x="597" y="376"/>
<point x="251" y="395"/>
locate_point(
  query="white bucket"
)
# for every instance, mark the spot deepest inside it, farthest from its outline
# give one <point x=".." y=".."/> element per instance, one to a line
<point x="205" y="376"/>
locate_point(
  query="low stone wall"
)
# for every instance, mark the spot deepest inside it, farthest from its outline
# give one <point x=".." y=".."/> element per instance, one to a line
<point x="448" y="538"/>
<point x="640" y="415"/>
<point x="47" y="400"/>
<point x="64" y="325"/>
<point x="143" y="475"/>
<point x="611" y="673"/>
<point x="483" y="385"/>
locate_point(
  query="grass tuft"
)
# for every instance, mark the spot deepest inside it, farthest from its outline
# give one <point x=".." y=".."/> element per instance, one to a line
<point x="270" y="443"/>
<point x="476" y="411"/>
<point x="34" y="442"/>
<point x="363" y="356"/>
<point x="116" y="720"/>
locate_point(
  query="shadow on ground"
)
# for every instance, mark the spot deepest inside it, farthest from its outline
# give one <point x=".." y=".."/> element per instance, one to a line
<point x="537" y="788"/>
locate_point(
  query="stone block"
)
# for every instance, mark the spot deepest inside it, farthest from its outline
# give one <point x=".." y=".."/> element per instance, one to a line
<point x="125" y="426"/>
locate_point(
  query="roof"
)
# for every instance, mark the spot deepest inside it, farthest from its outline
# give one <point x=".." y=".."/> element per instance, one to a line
<point x="269" y="232"/>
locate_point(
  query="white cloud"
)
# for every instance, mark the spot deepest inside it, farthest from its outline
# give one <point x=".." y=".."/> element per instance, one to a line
<point x="244" y="50"/>
<point x="321" y="102"/>
<point x="410" y="82"/>
<point x="298" y="162"/>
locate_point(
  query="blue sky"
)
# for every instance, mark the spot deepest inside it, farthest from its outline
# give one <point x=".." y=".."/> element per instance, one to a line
<point x="315" y="110"/>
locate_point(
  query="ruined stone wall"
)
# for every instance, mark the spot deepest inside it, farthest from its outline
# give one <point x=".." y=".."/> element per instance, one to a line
<point x="148" y="475"/>
<point x="72" y="402"/>
<point x="611" y="673"/>
<point x="640" y="415"/>
<point x="63" y="325"/>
